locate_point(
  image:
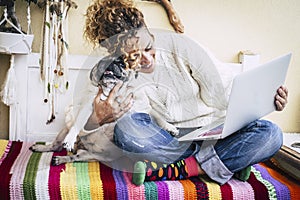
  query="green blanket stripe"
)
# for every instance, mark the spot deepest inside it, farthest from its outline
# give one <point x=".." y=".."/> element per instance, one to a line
<point x="151" y="191"/>
<point x="83" y="181"/>
<point x="30" y="176"/>
<point x="269" y="186"/>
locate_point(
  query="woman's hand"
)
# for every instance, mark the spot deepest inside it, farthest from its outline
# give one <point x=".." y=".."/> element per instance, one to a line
<point x="281" y="98"/>
<point x="113" y="107"/>
<point x="109" y="110"/>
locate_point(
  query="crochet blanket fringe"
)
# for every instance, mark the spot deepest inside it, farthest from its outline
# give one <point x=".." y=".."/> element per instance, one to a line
<point x="28" y="175"/>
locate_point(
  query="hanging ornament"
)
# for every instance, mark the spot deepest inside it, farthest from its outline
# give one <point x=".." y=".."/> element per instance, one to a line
<point x="8" y="92"/>
<point x="54" y="52"/>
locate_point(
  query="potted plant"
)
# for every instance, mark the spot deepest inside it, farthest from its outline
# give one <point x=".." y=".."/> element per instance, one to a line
<point x="13" y="40"/>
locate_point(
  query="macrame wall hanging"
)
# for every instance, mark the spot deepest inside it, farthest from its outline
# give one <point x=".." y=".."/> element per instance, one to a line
<point x="13" y="40"/>
<point x="54" y="51"/>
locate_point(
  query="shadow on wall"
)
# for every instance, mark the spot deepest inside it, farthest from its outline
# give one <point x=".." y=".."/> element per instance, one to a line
<point x="4" y="110"/>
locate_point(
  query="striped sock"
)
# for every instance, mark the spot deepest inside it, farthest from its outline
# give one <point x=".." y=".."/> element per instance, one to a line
<point x="150" y="171"/>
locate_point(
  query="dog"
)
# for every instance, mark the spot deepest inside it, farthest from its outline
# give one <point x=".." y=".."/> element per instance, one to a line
<point x="98" y="145"/>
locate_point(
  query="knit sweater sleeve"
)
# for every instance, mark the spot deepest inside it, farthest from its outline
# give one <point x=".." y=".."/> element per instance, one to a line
<point x="203" y="67"/>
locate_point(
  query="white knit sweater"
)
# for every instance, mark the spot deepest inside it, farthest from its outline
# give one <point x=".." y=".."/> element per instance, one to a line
<point x="185" y="88"/>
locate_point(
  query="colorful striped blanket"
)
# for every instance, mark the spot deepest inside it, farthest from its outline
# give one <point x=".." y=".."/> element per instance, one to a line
<point x="28" y="175"/>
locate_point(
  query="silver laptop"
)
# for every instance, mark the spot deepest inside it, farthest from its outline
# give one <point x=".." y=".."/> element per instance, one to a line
<point x="252" y="97"/>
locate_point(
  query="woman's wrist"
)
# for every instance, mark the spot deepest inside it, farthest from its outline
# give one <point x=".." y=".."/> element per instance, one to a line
<point x="92" y="123"/>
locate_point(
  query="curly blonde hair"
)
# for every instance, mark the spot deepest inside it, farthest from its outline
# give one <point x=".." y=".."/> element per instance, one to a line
<point x="107" y="18"/>
<point x="110" y="24"/>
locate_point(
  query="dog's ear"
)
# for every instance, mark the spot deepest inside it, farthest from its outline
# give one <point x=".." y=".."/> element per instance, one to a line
<point x="97" y="72"/>
<point x="119" y="68"/>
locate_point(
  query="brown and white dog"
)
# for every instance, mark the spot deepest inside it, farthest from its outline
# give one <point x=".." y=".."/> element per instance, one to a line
<point x="94" y="145"/>
<point x="98" y="145"/>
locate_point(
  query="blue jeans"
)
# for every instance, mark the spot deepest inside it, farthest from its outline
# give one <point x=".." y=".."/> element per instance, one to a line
<point x="138" y="135"/>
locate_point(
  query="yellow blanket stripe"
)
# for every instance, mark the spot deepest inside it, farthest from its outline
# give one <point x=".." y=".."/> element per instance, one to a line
<point x="96" y="186"/>
<point x="213" y="188"/>
<point x="68" y="186"/>
<point x="3" y="145"/>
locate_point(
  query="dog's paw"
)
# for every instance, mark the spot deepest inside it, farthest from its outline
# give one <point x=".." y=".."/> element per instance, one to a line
<point x="55" y="161"/>
<point x="44" y="148"/>
<point x="58" y="160"/>
<point x="68" y="147"/>
<point x="36" y="148"/>
<point x="171" y="129"/>
<point x="174" y="132"/>
<point x="32" y="148"/>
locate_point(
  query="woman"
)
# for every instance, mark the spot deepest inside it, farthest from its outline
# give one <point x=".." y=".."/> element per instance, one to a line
<point x="182" y="79"/>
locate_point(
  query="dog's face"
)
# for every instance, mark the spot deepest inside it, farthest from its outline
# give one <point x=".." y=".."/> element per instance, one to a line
<point x="107" y="72"/>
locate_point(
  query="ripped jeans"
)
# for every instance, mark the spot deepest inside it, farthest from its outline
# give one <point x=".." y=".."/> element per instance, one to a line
<point x="140" y="138"/>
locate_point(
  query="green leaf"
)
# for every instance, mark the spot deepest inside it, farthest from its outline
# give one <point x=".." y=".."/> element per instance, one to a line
<point x="49" y="88"/>
<point x="47" y="24"/>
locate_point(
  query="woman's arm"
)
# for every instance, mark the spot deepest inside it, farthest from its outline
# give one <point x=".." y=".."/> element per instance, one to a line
<point x="203" y="66"/>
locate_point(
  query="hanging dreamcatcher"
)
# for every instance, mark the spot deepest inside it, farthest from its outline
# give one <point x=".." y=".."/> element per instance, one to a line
<point x="54" y="51"/>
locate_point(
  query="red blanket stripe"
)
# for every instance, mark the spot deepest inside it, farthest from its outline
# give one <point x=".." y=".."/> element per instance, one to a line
<point x="226" y="191"/>
<point x="109" y="185"/>
<point x="54" y="177"/>
<point x="5" y="169"/>
<point x="260" y="190"/>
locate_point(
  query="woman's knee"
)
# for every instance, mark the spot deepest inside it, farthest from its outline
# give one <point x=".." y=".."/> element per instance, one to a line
<point x="136" y="132"/>
<point x="120" y="132"/>
<point x="257" y="142"/>
<point x="271" y="134"/>
<point x="137" y="125"/>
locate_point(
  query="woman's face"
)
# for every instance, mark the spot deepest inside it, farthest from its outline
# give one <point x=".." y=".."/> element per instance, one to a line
<point x="145" y="40"/>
